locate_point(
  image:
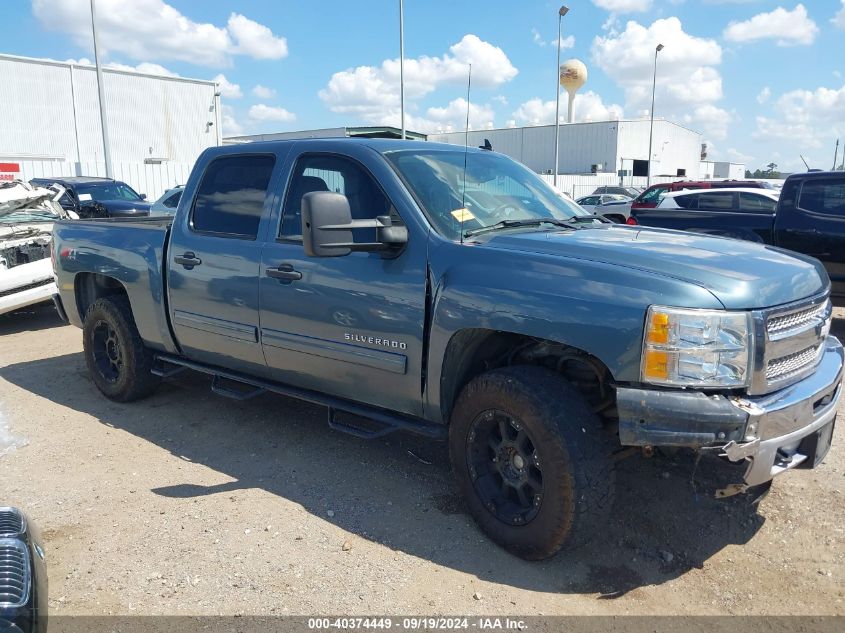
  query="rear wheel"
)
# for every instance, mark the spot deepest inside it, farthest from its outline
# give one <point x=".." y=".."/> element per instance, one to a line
<point x="529" y="456"/>
<point x="119" y="363"/>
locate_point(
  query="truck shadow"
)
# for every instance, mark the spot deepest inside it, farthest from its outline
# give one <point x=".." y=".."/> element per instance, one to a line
<point x="399" y="492"/>
<point x="41" y="316"/>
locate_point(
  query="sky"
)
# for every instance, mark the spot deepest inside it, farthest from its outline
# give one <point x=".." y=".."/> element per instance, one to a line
<point x="762" y="80"/>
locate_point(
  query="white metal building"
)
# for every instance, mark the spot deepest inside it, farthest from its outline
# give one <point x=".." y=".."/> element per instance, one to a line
<point x="157" y="126"/>
<point x="722" y="169"/>
<point x="596" y="147"/>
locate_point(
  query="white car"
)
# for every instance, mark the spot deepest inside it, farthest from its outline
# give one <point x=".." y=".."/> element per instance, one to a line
<point x="169" y="201"/>
<point x="27" y="214"/>
<point x="615" y="207"/>
<point x="722" y="199"/>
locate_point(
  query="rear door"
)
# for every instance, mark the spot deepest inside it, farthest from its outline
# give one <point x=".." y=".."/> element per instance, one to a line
<point x="348" y="326"/>
<point x="811" y="220"/>
<point x="214" y="259"/>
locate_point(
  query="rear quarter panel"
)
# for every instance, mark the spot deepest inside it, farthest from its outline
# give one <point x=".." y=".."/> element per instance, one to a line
<point x="131" y="252"/>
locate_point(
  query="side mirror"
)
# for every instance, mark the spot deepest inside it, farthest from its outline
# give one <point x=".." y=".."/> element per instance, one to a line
<point x="327" y="227"/>
<point x="143" y="196"/>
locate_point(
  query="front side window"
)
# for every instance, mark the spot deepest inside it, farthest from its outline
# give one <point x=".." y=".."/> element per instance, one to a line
<point x="823" y="196"/>
<point x="321" y="172"/>
<point x="230" y="197"/>
<point x="461" y="191"/>
<point x="687" y="201"/>
<point x="171" y="202"/>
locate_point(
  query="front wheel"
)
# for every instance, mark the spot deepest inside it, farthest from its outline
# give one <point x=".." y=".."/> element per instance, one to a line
<point x="531" y="460"/>
<point x="119" y="363"/>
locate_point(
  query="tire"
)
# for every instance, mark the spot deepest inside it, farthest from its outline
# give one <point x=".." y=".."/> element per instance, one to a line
<point x="119" y="364"/>
<point x="566" y="446"/>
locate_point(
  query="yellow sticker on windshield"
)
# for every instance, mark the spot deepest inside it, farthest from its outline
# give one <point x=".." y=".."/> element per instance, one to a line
<point x="462" y="215"/>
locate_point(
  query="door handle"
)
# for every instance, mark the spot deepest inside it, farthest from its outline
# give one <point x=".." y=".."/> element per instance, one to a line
<point x="188" y="260"/>
<point x="284" y="272"/>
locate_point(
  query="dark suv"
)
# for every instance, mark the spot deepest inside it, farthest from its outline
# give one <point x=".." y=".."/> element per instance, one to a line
<point x="652" y="196"/>
<point x="88" y="196"/>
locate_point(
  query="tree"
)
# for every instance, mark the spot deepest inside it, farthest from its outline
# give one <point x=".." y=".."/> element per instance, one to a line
<point x="748" y="173"/>
<point x="771" y="167"/>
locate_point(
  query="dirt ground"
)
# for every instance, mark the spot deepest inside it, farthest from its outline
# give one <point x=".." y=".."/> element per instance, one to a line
<point x="188" y="503"/>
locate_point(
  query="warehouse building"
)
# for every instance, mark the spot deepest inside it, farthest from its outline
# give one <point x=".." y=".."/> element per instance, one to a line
<point x="157" y="126"/>
<point x="601" y="147"/>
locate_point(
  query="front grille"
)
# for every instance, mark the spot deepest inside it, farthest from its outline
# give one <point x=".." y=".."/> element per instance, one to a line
<point x="14" y="573"/>
<point x="11" y="522"/>
<point x="782" y="325"/>
<point x="782" y="368"/>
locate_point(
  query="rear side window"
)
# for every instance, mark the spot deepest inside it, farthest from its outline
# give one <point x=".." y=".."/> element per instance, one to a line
<point x="173" y="201"/>
<point x="823" y="196"/>
<point x="230" y="197"/>
<point x="716" y="201"/>
<point x="754" y="203"/>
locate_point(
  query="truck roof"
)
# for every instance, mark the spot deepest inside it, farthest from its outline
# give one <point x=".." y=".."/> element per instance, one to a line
<point x="381" y="145"/>
<point x="74" y="180"/>
<point x="815" y="174"/>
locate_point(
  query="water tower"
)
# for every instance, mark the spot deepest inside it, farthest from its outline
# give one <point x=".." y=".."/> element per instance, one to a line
<point x="573" y="74"/>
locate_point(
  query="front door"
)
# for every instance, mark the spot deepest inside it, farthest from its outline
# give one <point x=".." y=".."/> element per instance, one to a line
<point x="348" y="326"/>
<point x="214" y="260"/>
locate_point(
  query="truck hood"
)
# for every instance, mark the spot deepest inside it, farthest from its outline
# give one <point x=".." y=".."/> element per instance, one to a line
<point x="741" y="275"/>
<point x="126" y="206"/>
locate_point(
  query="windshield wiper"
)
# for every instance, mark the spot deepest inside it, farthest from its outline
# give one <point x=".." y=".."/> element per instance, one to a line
<point x="509" y="224"/>
<point x="570" y="223"/>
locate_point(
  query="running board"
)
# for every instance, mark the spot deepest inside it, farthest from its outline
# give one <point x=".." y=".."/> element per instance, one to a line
<point x="375" y="423"/>
<point x="165" y="369"/>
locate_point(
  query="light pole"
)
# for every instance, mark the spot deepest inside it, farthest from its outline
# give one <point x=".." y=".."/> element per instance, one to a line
<point x="104" y="126"/>
<point x="402" y="63"/>
<point x="651" y="126"/>
<point x="561" y="12"/>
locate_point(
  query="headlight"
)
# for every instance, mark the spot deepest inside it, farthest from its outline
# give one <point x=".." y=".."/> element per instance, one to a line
<point x="696" y="348"/>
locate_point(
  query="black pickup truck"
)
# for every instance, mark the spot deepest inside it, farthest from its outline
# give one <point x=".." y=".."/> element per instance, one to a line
<point x="809" y="218"/>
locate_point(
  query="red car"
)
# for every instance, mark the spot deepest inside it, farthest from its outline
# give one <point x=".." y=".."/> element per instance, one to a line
<point x="652" y="196"/>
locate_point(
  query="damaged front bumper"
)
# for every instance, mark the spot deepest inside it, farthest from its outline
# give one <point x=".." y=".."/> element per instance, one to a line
<point x="26" y="285"/>
<point x="785" y="429"/>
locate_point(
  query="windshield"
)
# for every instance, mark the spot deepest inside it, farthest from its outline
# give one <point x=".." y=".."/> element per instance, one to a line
<point x="496" y="188"/>
<point x="107" y="191"/>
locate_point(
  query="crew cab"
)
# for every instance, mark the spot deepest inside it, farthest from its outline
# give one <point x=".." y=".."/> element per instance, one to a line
<point x="808" y="217"/>
<point x="452" y="293"/>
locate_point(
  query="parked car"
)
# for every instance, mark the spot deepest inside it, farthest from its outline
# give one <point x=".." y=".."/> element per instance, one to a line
<point x="652" y="196"/>
<point x="361" y="274"/>
<point x="23" y="575"/>
<point x="614" y="207"/>
<point x="628" y="192"/>
<point x="166" y="205"/>
<point x="98" y="197"/>
<point x="27" y="214"/>
<point x="807" y="216"/>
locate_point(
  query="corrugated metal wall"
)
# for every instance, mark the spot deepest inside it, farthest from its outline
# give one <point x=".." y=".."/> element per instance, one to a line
<point x="51" y="122"/>
<point x="582" y="145"/>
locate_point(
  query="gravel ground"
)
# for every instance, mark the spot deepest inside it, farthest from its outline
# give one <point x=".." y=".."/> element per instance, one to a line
<point x="188" y="503"/>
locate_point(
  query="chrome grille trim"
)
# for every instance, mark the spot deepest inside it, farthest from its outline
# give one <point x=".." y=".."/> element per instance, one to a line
<point x="15" y="574"/>
<point x="784" y="338"/>
<point x="12" y="522"/>
<point x="783" y="367"/>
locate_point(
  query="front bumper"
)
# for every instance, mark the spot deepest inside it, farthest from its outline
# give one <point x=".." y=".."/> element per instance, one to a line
<point x="773" y="432"/>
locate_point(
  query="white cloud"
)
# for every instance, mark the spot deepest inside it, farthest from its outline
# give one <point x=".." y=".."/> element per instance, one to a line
<point x="254" y="39"/>
<point x="588" y="107"/>
<point x="454" y="116"/>
<point x="807" y="119"/>
<point x="263" y="92"/>
<point x="155" y="30"/>
<point x="839" y="19"/>
<point x="688" y="80"/>
<point x="227" y="88"/>
<point x="623" y="6"/>
<point x="371" y="93"/>
<point x="565" y="42"/>
<point x="261" y="112"/>
<point x="764" y="95"/>
<point x="231" y="127"/>
<point x="789" y="28"/>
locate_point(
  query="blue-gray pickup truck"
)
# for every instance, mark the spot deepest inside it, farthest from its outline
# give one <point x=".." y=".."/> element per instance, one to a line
<point x="451" y="292"/>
